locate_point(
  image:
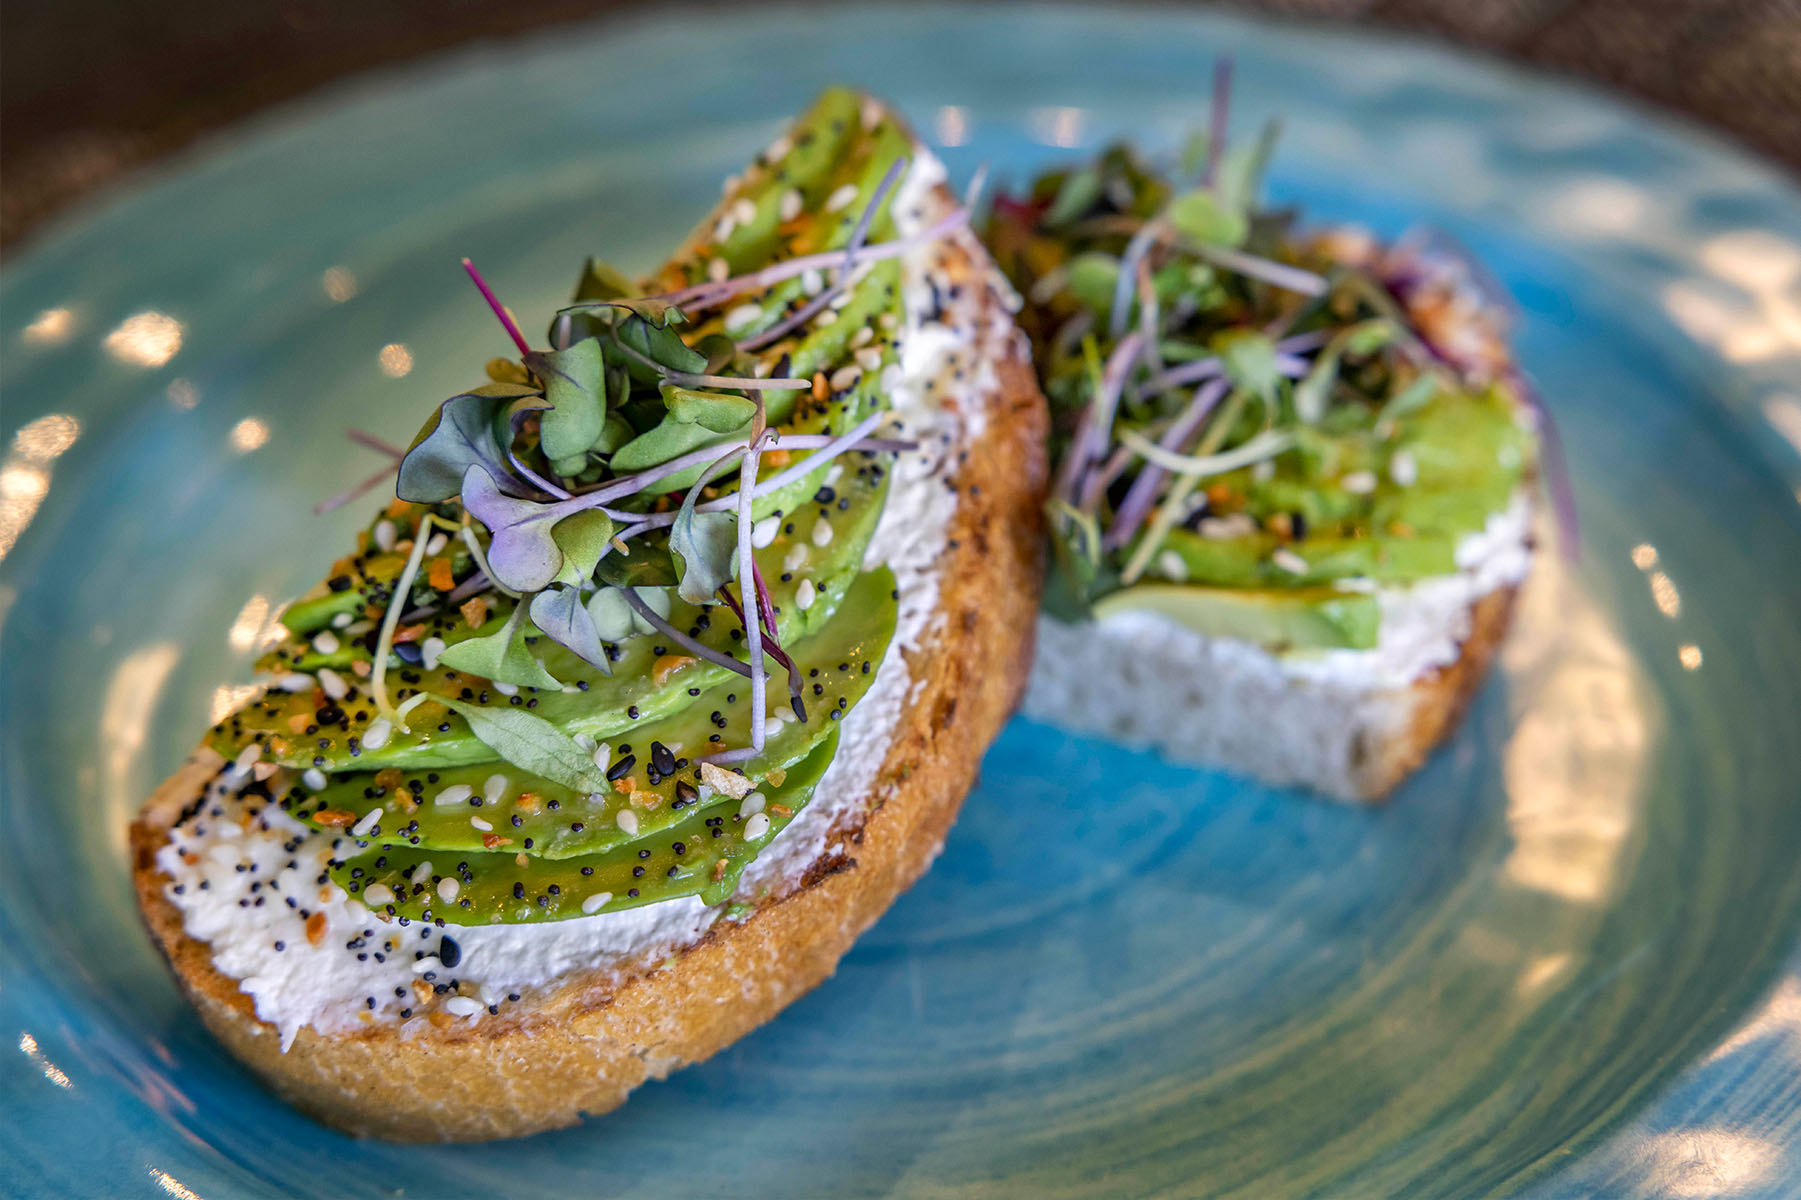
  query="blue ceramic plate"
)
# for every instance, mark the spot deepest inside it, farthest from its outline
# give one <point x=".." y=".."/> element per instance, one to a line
<point x="1563" y="962"/>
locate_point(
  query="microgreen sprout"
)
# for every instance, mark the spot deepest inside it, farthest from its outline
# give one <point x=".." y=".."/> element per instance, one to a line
<point x="1312" y="358"/>
<point x="505" y="317"/>
<point x="384" y="642"/>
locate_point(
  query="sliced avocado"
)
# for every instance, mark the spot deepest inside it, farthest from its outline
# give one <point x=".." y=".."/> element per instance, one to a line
<point x="701" y="855"/>
<point x="1277" y="619"/>
<point x="1257" y="560"/>
<point x="609" y="706"/>
<point x="550" y="820"/>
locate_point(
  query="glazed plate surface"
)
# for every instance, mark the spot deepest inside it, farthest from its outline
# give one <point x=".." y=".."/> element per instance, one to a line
<point x="1565" y="961"/>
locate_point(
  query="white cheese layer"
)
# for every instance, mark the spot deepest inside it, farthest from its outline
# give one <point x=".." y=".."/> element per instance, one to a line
<point x="249" y="884"/>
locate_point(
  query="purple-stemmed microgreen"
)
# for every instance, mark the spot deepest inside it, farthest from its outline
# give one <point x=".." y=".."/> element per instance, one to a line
<point x="380" y="445"/>
<point x="1277" y="274"/>
<point x="505" y="317"/>
<point x="766" y="613"/>
<point x="1092" y="434"/>
<point x="697" y="648"/>
<point x="843" y="279"/>
<point x="690" y="379"/>
<point x="333" y="503"/>
<point x="711" y="294"/>
<point x="1288" y="360"/>
<point x="1218" y="118"/>
<point x="1143" y="491"/>
<point x="1152" y="232"/>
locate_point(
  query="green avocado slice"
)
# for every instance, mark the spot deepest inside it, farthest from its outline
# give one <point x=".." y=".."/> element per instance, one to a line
<point x="1277" y="619"/>
<point x="1254" y="561"/>
<point x="683" y="859"/>
<point x="605" y="707"/>
<point x="839" y="662"/>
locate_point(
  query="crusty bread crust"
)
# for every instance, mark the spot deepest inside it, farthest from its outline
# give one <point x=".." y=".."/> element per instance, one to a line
<point x="1433" y="704"/>
<point x="582" y="1048"/>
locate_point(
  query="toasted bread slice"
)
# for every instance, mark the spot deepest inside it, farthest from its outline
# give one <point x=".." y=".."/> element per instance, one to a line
<point x="1217" y="702"/>
<point x="580" y="1045"/>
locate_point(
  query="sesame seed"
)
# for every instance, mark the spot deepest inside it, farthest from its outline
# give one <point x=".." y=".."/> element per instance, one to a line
<point x="764" y="531"/>
<point x="595" y="903"/>
<point x="455" y="794"/>
<point x="812" y="282"/>
<point x="494" y="788"/>
<point x="420" y="873"/>
<point x="627" y="821"/>
<point x="719" y="270"/>
<point x="448" y="887"/>
<point x="744" y="211"/>
<point x="1359" y="483"/>
<point x="791" y="204"/>
<point x="462" y="1006"/>
<point x="481" y="824"/>
<point x="822" y="532"/>
<point x="869" y="357"/>
<point x="429" y="650"/>
<point x="1289" y="561"/>
<point x="841" y="198"/>
<point x="378" y="893"/>
<point x="1171" y="565"/>
<point x="752" y="805"/>
<point x="314" y="778"/>
<point x="743" y="315"/>
<point x="797" y="554"/>
<point x="756" y="827"/>
<point x="1403" y="469"/>
<point x="385" y="535"/>
<point x="378" y="733"/>
<point x="843" y="378"/>
<point x="326" y="642"/>
<point x="370" y="820"/>
<point x="333" y="683"/>
<point x="805" y="595"/>
<point x="437" y="543"/>
<point x="295" y="682"/>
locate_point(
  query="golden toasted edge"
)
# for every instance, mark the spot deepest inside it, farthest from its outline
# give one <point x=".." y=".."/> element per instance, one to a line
<point x="1436" y="703"/>
<point x="584" y="1047"/>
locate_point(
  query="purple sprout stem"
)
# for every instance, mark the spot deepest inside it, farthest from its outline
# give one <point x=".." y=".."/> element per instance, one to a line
<point x="506" y="318"/>
<point x="814" y="306"/>
<point x="1143" y="492"/>
<point x="744" y="383"/>
<point x="753" y="630"/>
<point x="1218" y="119"/>
<point x="1097" y="419"/>
<point x="1287" y="361"/>
<point x="709" y="295"/>
<point x="1136" y="249"/>
<point x="370" y="442"/>
<point x="698" y="649"/>
<point x="333" y="503"/>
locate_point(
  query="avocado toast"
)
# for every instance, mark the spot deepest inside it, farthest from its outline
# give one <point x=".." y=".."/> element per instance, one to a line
<point x="1293" y="471"/>
<point x="547" y="793"/>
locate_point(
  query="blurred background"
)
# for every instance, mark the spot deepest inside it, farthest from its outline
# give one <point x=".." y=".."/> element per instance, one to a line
<point x="90" y="89"/>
